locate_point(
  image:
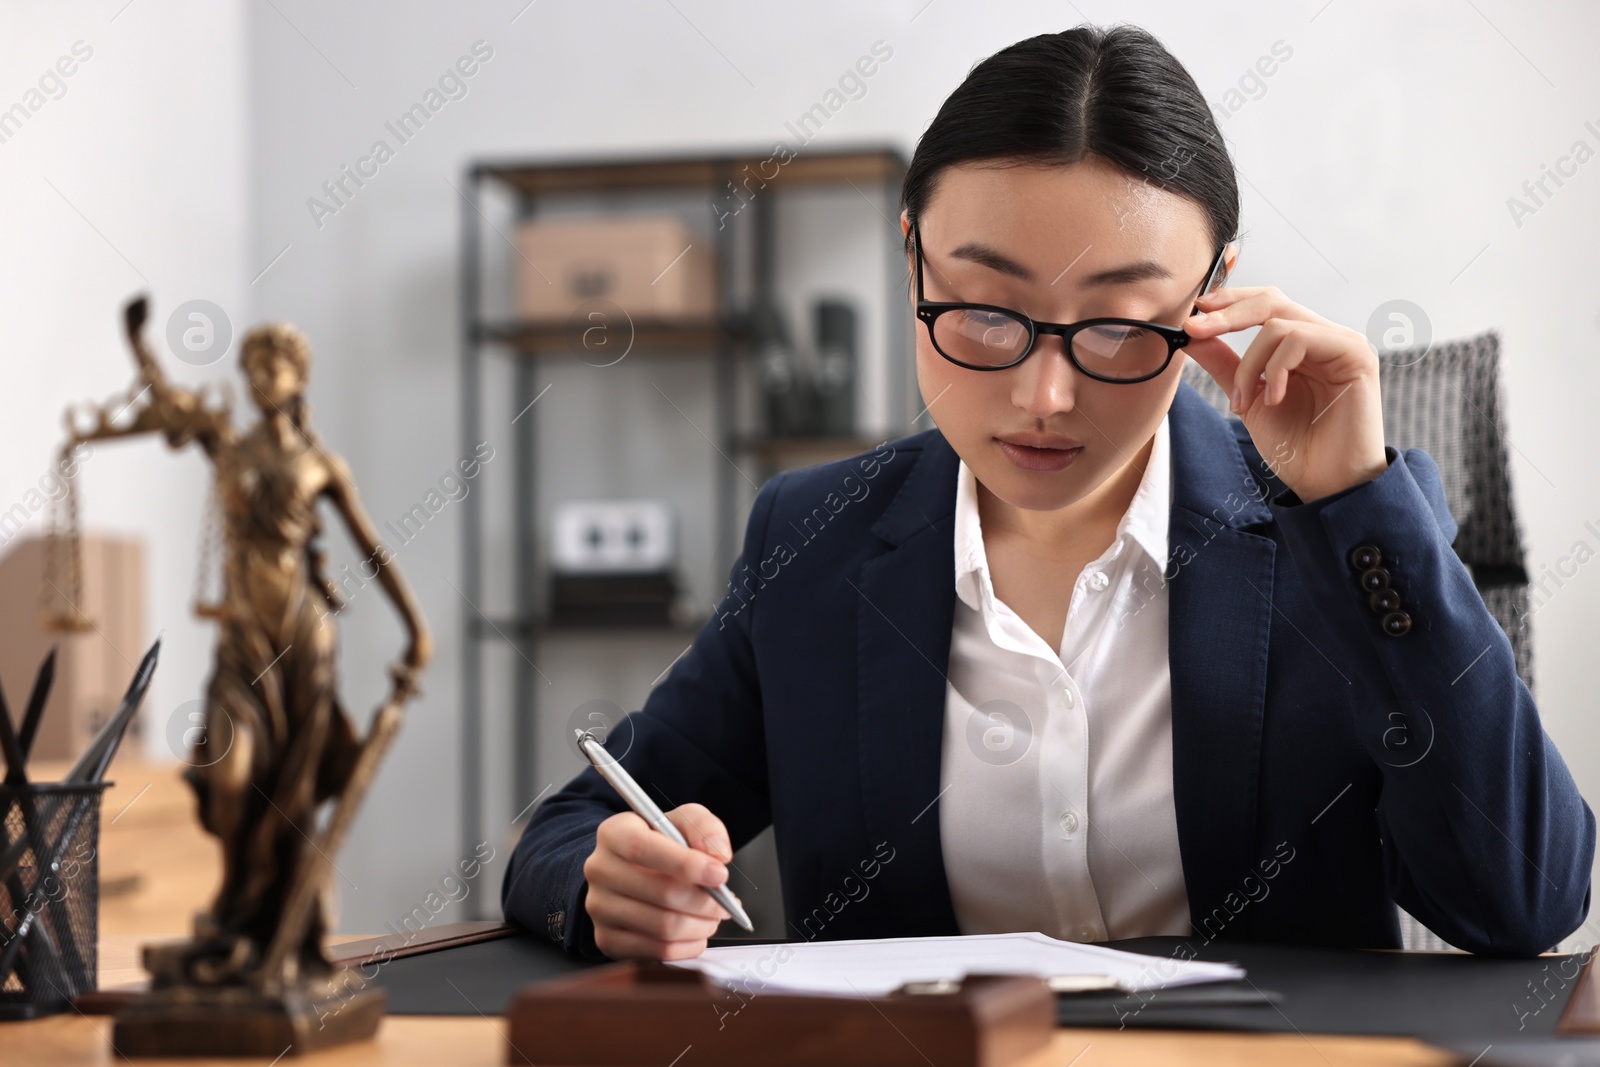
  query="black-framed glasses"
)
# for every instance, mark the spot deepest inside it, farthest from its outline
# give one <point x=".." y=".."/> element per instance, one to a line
<point x="990" y="337"/>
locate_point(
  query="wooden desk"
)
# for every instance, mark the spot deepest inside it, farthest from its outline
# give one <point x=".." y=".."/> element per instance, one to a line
<point x="163" y="869"/>
<point x="75" y="1040"/>
<point x="430" y="1041"/>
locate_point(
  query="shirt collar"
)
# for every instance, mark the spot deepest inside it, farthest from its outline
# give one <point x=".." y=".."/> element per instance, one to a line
<point x="1144" y="523"/>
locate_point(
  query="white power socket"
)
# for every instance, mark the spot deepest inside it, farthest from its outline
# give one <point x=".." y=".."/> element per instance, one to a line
<point x="613" y="536"/>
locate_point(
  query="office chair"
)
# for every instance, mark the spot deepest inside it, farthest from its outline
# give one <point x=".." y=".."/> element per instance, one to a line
<point x="1445" y="400"/>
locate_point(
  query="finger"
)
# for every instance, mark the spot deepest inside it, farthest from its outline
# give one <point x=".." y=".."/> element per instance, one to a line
<point x="1289" y="354"/>
<point x="628" y="836"/>
<point x="627" y="945"/>
<point x="1324" y="355"/>
<point x="1218" y="359"/>
<point x="1229" y="310"/>
<point x="619" y="876"/>
<point x="1247" y="380"/>
<point x="640" y="917"/>
<point x="703" y="830"/>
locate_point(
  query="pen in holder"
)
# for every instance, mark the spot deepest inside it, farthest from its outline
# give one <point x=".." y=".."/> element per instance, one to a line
<point x="50" y="896"/>
<point x="49" y="861"/>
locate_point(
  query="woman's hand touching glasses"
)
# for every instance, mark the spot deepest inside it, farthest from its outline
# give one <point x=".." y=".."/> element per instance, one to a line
<point x="1306" y="388"/>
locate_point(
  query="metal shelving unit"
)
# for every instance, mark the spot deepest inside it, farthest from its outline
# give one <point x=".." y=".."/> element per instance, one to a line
<point x="726" y="339"/>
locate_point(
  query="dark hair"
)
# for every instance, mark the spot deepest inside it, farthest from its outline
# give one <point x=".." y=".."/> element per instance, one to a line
<point x="1114" y="93"/>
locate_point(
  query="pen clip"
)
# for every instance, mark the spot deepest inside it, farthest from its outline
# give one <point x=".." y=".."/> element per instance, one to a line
<point x="935" y="987"/>
<point x="1084" y="983"/>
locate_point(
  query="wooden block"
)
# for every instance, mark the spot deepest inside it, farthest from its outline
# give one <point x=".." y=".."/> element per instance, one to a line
<point x="633" y="1012"/>
<point x="237" y="1021"/>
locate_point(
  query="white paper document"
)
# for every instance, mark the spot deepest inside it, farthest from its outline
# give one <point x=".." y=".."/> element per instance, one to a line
<point x="876" y="966"/>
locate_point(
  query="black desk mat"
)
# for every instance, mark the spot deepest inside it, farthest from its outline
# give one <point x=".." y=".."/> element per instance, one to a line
<point x="1449" y="996"/>
<point x="1546" y="1051"/>
<point x="475" y="979"/>
<point x="1344" y="991"/>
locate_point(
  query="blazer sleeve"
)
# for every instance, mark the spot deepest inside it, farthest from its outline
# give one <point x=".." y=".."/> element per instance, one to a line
<point x="1485" y="837"/>
<point x="699" y="737"/>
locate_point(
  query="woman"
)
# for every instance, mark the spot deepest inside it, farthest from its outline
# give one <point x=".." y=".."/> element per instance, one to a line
<point x="1089" y="658"/>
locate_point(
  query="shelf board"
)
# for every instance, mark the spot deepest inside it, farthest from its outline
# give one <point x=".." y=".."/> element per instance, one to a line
<point x="511" y="629"/>
<point x="804" y="167"/>
<point x="648" y="335"/>
<point x="811" y="449"/>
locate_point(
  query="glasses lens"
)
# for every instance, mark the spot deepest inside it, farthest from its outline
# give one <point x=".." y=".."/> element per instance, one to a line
<point x="1117" y="350"/>
<point x="983" y="338"/>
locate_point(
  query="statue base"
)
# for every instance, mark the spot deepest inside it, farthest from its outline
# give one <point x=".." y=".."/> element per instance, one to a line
<point x="185" y="1019"/>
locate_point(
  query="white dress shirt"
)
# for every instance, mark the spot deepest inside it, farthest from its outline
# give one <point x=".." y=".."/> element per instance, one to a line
<point x="1055" y="809"/>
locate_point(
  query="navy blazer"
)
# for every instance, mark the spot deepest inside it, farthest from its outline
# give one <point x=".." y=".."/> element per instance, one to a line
<point x="1323" y="768"/>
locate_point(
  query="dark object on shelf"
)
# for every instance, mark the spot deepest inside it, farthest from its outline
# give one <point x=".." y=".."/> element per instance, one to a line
<point x="612" y="599"/>
<point x="787" y="391"/>
<point x="807" y="392"/>
<point x="650" y="1012"/>
<point x="836" y="365"/>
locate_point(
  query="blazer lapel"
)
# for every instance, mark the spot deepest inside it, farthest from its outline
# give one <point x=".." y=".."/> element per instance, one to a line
<point x="1220" y="615"/>
<point x="905" y="604"/>
<point x="1220" y="588"/>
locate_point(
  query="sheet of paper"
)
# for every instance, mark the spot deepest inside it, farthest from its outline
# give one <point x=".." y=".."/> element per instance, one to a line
<point x="873" y="967"/>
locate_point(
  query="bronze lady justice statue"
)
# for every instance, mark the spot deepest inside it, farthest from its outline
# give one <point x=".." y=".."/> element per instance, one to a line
<point x="276" y="744"/>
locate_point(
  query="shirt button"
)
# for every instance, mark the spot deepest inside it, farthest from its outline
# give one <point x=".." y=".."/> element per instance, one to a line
<point x="1069" y="822"/>
<point x="1086" y="933"/>
<point x="1068" y="698"/>
<point x="1098" y="580"/>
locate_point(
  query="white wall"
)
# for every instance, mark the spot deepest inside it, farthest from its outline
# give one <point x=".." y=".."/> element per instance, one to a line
<point x="1377" y="161"/>
<point x="128" y="176"/>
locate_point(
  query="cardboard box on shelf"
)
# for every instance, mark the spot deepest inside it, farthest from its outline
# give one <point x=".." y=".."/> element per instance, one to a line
<point x="652" y="267"/>
<point x="93" y="667"/>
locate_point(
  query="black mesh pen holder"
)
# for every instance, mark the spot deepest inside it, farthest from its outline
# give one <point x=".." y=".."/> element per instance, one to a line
<point x="49" y="896"/>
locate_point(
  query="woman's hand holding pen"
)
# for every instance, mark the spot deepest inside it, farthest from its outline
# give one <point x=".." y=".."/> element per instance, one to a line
<point x="645" y="894"/>
<point x="1306" y="388"/>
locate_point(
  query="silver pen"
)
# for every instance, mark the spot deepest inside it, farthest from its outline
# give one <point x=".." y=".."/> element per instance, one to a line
<point x="640" y="802"/>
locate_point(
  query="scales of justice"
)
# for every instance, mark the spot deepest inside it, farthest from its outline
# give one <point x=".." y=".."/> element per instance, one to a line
<point x="276" y="751"/>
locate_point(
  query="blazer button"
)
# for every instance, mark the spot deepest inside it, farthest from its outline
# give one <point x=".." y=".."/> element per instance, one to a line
<point x="1365" y="558"/>
<point x="1384" y="601"/>
<point x="1374" y="579"/>
<point x="555" y="924"/>
<point x="1396" y="623"/>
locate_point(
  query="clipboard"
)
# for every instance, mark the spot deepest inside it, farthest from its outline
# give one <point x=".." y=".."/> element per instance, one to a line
<point x="646" y="1012"/>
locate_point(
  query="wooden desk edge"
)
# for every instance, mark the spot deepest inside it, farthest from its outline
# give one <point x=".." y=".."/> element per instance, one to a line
<point x="358" y="953"/>
<point x="1582" y="1013"/>
<point x="393" y="946"/>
